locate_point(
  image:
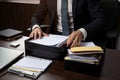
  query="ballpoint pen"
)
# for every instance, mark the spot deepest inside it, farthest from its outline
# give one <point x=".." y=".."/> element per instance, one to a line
<point x="27" y="69"/>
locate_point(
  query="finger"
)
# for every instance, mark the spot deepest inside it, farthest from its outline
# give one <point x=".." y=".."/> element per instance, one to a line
<point x="74" y="43"/>
<point x="31" y="35"/>
<point x="39" y="35"/>
<point x="70" y="40"/>
<point x="79" y="40"/>
<point x="35" y="35"/>
<point x="76" y="40"/>
<point x="78" y="43"/>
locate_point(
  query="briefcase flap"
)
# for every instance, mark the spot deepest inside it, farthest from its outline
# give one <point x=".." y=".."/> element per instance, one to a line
<point x="43" y="51"/>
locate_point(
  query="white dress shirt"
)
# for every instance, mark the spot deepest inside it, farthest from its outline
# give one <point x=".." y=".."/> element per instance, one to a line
<point x="70" y="18"/>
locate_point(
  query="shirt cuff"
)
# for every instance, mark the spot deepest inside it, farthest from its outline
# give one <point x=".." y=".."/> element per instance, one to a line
<point x="84" y="32"/>
<point x="35" y="26"/>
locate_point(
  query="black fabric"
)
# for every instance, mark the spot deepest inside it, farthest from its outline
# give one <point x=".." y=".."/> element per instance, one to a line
<point x="86" y="14"/>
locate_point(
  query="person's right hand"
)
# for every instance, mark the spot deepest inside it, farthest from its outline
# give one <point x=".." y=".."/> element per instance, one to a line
<point x="37" y="33"/>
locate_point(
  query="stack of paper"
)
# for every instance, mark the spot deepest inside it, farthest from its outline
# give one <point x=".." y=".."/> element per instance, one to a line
<point x="88" y="52"/>
<point x="51" y="40"/>
<point x="30" y="66"/>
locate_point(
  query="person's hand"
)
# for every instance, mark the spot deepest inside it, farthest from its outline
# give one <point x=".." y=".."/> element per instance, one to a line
<point x="74" y="39"/>
<point x="37" y="33"/>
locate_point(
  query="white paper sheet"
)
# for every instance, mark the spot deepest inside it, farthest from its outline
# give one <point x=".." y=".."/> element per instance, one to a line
<point x="50" y="40"/>
<point x="87" y="44"/>
<point x="33" y="63"/>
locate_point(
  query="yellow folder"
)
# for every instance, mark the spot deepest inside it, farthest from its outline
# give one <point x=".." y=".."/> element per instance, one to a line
<point x="87" y="49"/>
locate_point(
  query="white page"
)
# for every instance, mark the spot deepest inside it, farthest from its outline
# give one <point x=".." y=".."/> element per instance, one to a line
<point x="83" y="58"/>
<point x="87" y="44"/>
<point x="33" y="63"/>
<point x="50" y="40"/>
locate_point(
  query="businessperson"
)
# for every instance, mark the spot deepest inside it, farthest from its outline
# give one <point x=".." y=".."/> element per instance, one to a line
<point x="86" y="20"/>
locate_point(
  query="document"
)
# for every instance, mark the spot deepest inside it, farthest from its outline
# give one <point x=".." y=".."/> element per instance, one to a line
<point x="83" y="53"/>
<point x="84" y="59"/>
<point x="85" y="48"/>
<point x="30" y="66"/>
<point x="87" y="44"/>
<point x="51" y="40"/>
<point x="87" y="52"/>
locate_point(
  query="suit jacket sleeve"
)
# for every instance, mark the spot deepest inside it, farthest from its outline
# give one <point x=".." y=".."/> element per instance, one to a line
<point x="40" y="13"/>
<point x="98" y="19"/>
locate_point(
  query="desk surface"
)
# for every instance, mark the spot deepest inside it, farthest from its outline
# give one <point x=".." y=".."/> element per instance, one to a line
<point x="56" y="71"/>
<point x="22" y="1"/>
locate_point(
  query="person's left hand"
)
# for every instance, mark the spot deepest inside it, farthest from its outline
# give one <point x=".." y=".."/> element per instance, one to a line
<point x="74" y="39"/>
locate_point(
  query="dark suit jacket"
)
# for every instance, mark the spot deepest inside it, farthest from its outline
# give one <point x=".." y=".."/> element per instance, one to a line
<point x="86" y="14"/>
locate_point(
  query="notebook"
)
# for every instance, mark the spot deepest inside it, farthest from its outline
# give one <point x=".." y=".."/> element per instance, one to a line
<point x="10" y="33"/>
<point x="30" y="66"/>
<point x="7" y="56"/>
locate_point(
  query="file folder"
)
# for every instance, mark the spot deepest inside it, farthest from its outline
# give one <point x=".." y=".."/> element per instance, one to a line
<point x="87" y="49"/>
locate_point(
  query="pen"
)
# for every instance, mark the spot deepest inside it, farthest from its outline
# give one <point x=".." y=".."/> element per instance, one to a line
<point x="27" y="69"/>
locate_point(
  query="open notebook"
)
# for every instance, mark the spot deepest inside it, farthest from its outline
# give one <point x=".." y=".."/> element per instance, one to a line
<point x="30" y="66"/>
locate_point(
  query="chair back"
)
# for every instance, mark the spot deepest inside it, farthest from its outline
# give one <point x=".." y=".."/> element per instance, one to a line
<point x="111" y="11"/>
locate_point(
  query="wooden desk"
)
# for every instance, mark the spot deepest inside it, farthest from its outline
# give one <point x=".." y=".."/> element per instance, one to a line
<point x="22" y="1"/>
<point x="56" y="71"/>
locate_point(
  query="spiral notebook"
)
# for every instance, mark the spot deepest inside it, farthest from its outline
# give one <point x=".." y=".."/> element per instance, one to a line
<point x="30" y="66"/>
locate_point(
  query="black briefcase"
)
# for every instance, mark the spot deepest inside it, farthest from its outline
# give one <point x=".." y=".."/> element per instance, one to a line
<point x="86" y="68"/>
<point x="43" y="51"/>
